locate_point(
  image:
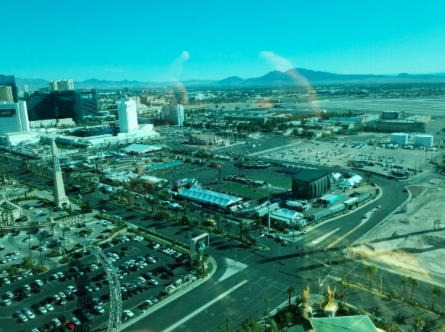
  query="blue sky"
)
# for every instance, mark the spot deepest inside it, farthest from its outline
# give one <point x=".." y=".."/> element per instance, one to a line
<point x="151" y="40"/>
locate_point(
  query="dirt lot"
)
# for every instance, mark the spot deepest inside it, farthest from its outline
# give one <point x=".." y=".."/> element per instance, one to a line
<point x="410" y="240"/>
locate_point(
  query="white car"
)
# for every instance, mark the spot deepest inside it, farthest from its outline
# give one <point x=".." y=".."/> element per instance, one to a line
<point x="72" y="289"/>
<point x="6" y="302"/>
<point x="23" y="318"/>
<point x="49" y="307"/>
<point x="39" y="282"/>
<point x="153" y="282"/>
<point x="99" y="309"/>
<point x="28" y="313"/>
<point x="42" y="310"/>
<point x="75" y="320"/>
<point x="140" y="280"/>
<point x="128" y="313"/>
<point x="56" y="322"/>
<point x="151" y="260"/>
<point x="9" y="295"/>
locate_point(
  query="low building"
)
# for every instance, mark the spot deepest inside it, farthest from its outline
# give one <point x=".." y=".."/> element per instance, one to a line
<point x="289" y="217"/>
<point x="205" y="196"/>
<point x="204" y="139"/>
<point x="141" y="148"/>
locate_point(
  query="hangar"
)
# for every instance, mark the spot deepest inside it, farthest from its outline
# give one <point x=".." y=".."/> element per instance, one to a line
<point x="310" y="183"/>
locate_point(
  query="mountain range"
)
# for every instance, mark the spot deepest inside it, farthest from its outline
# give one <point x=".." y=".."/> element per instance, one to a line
<point x="291" y="77"/>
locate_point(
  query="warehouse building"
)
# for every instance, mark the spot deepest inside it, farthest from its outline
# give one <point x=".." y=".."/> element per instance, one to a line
<point x="310" y="183"/>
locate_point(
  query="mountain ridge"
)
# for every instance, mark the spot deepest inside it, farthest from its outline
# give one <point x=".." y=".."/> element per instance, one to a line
<point x="296" y="76"/>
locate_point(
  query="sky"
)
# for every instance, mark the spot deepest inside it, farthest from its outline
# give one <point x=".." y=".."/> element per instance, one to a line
<point x="160" y="41"/>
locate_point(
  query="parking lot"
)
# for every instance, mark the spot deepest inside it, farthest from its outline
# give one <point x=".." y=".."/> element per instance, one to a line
<point x="144" y="269"/>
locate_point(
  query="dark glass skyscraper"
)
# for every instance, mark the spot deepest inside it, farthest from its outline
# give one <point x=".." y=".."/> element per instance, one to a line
<point x="9" y="80"/>
<point x="62" y="104"/>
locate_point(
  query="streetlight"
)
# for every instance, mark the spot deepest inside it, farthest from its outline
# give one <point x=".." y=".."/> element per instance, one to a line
<point x="268" y="208"/>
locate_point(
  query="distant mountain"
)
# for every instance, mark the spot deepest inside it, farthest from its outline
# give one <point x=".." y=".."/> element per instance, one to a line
<point x="297" y="76"/>
<point x="230" y="80"/>
<point x="421" y="76"/>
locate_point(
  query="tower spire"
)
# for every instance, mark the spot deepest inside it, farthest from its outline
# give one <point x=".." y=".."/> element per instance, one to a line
<point x="60" y="198"/>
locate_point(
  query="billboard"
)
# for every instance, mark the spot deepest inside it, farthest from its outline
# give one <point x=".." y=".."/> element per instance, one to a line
<point x="200" y="242"/>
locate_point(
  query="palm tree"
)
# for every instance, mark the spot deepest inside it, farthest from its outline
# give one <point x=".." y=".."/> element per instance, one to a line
<point x="228" y="227"/>
<point x="266" y="313"/>
<point x="228" y="320"/>
<point x="176" y="212"/>
<point x="364" y="269"/>
<point x="419" y="323"/>
<point x="403" y="281"/>
<point x="218" y="220"/>
<point x="290" y="291"/>
<point x="435" y="291"/>
<point x="372" y="270"/>
<point x="413" y="282"/>
<point x="346" y="285"/>
<point x="202" y="214"/>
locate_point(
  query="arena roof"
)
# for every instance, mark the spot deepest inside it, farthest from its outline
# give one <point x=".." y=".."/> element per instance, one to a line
<point x="208" y="196"/>
<point x="141" y="148"/>
<point x="309" y="174"/>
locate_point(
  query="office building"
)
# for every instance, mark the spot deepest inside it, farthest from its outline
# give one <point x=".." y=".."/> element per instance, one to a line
<point x="173" y="114"/>
<point x="10" y="81"/>
<point x="128" y="119"/>
<point x="61" y="85"/>
<point x="6" y="94"/>
<point x="13" y="118"/>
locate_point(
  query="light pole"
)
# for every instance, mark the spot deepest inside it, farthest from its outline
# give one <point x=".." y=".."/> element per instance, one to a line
<point x="235" y="252"/>
<point x="268" y="208"/>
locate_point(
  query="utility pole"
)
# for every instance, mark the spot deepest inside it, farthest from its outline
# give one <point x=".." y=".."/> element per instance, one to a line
<point x="268" y="208"/>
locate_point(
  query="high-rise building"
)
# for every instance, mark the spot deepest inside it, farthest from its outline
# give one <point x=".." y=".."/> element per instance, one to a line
<point x="61" y="85"/>
<point x="6" y="94"/>
<point x="85" y="103"/>
<point x="44" y="105"/>
<point x="13" y="118"/>
<point x="128" y="118"/>
<point x="173" y="114"/>
<point x="10" y="81"/>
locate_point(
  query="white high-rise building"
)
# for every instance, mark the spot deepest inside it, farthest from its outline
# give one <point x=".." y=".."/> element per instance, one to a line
<point x="14" y="118"/>
<point x="128" y="117"/>
<point x="173" y="114"/>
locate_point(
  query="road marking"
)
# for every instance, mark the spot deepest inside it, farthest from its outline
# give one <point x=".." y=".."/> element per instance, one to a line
<point x="322" y="238"/>
<point x="204" y="307"/>
<point x="341" y="238"/>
